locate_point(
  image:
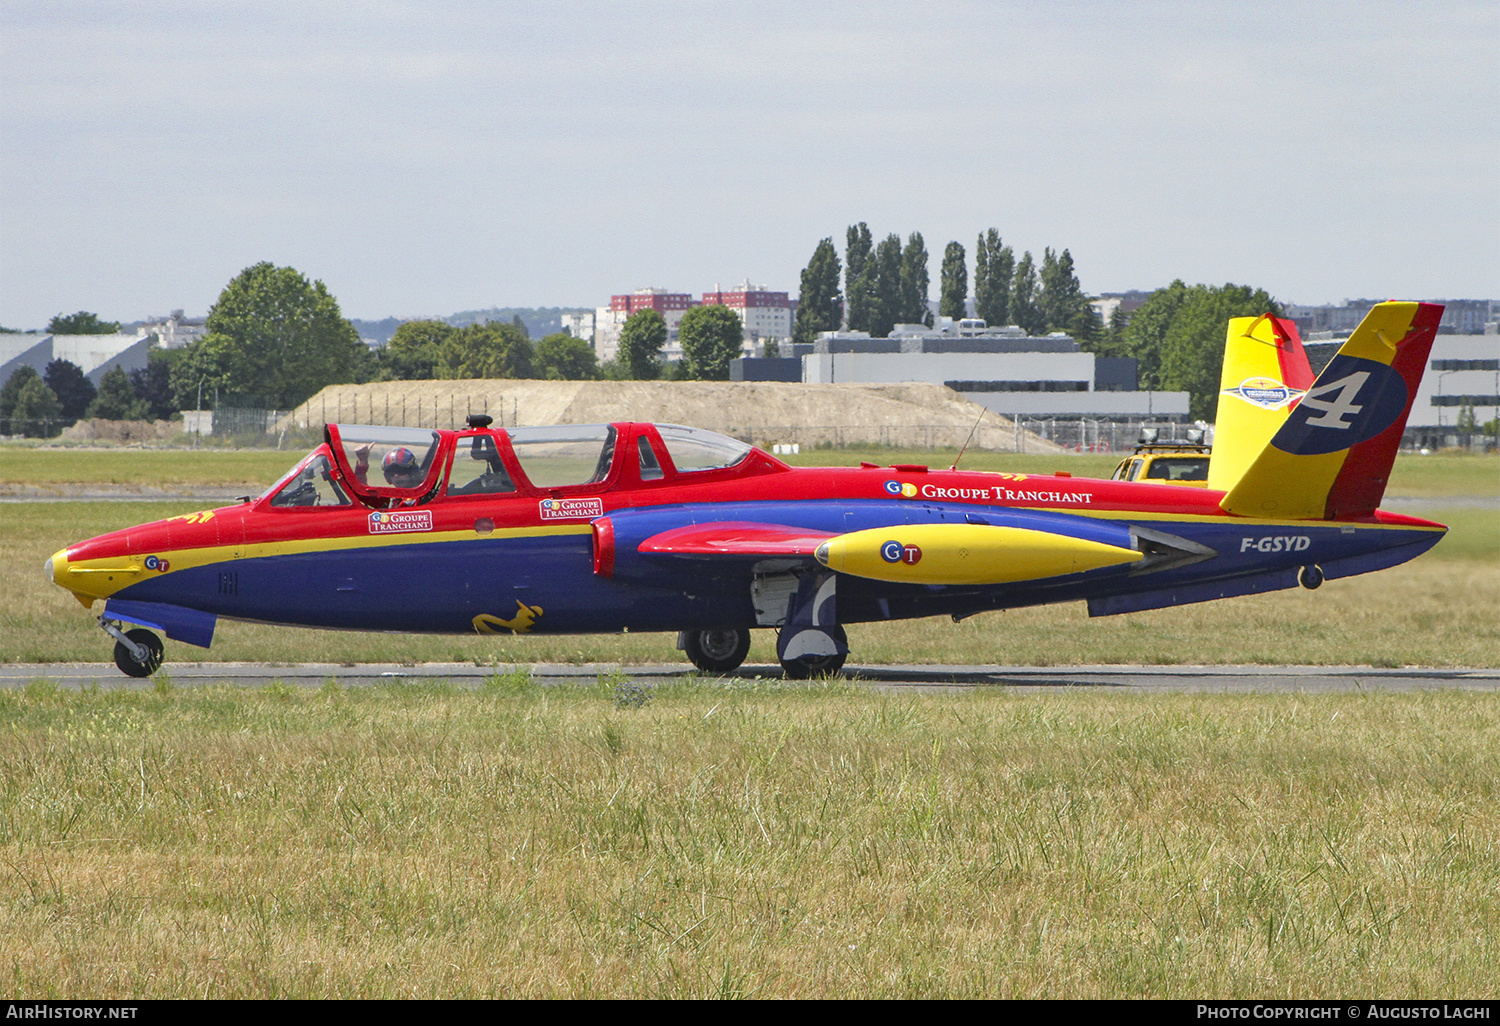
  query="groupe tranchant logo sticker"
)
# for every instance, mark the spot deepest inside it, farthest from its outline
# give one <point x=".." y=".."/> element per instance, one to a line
<point x="396" y="522"/>
<point x="572" y="509"/>
<point x="906" y="491"/>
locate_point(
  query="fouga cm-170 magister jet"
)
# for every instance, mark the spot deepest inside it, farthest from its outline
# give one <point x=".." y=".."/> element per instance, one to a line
<point x="657" y="527"/>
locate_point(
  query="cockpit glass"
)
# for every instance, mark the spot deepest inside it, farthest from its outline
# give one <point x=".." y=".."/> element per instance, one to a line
<point x="696" y="449"/>
<point x="388" y="457"/>
<point x="556" y="457"/>
<point x="478" y="468"/>
<point x="311" y="485"/>
<point x="650" y="468"/>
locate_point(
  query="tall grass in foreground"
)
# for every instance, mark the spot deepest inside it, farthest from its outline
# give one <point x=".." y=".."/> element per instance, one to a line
<point x="731" y="839"/>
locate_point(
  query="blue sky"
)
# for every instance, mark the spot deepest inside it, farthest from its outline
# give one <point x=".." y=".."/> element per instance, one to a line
<point x="427" y="157"/>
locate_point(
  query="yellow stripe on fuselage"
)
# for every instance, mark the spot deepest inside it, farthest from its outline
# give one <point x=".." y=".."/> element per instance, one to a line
<point x="99" y="578"/>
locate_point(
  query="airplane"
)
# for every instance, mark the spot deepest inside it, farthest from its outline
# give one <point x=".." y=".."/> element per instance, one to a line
<point x="660" y="527"/>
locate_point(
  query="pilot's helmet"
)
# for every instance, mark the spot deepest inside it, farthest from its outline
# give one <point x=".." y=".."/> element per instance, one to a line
<point x="400" y="467"/>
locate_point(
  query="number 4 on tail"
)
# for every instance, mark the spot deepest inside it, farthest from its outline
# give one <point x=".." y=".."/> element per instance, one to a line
<point x="1341" y="406"/>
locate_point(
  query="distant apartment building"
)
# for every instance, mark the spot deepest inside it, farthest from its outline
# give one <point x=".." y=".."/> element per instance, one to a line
<point x="765" y="314"/>
<point x="609" y="320"/>
<point x="579" y="325"/>
<point x="1126" y="303"/>
<point x="1460" y="316"/>
<point x="175" y="331"/>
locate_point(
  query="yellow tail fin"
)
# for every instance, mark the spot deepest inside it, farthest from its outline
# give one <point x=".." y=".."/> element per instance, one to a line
<point x="1333" y="454"/>
<point x="1265" y="372"/>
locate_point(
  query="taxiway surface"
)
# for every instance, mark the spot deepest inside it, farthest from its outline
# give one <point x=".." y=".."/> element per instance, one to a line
<point x="1225" y="679"/>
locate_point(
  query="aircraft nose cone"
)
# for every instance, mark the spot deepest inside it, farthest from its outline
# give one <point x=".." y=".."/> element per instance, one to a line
<point x="56" y="567"/>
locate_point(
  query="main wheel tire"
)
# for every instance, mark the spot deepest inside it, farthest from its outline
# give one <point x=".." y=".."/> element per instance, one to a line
<point x="126" y="662"/>
<point x="807" y="667"/>
<point x="717" y="651"/>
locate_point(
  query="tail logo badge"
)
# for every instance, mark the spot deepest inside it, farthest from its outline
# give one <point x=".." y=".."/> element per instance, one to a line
<point x="1267" y="393"/>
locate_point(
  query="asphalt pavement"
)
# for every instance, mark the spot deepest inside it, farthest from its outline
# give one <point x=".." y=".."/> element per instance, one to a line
<point x="901" y="679"/>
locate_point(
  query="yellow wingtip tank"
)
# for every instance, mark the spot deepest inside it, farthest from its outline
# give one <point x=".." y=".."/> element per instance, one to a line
<point x="965" y="554"/>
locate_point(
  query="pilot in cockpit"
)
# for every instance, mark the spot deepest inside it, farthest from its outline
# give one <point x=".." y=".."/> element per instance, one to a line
<point x="400" y="467"/>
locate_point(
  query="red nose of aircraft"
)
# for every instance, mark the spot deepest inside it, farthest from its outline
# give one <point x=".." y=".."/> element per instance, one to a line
<point x="103" y="566"/>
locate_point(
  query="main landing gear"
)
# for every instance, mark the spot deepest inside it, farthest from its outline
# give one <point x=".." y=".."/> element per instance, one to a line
<point x="803" y="655"/>
<point x="717" y="651"/>
<point x="138" y="652"/>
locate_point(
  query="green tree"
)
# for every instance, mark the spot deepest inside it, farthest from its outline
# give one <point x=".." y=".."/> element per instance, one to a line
<point x="993" y="266"/>
<point x="858" y="285"/>
<point x="81" y="323"/>
<point x="72" y="387"/>
<point x="711" y="336"/>
<point x="1111" y="340"/>
<point x="1146" y="332"/>
<point x="882" y="274"/>
<point x="412" y="352"/>
<point x="274" y="339"/>
<point x="36" y="412"/>
<point x="915" y="282"/>
<point x="116" y="399"/>
<point x="488" y="350"/>
<point x="954" y="290"/>
<point x="561" y="357"/>
<point x="1192" y="348"/>
<point x="153" y="383"/>
<point x="1064" y="306"/>
<point x="641" y="340"/>
<point x="820" y="305"/>
<point x="18" y="380"/>
<point x="1023" y="297"/>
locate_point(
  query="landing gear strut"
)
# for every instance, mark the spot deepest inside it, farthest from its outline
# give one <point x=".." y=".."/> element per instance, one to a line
<point x="715" y="651"/>
<point x="138" y="652"/>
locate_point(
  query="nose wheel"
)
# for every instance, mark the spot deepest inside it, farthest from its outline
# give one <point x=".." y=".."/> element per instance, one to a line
<point x="138" y="652"/>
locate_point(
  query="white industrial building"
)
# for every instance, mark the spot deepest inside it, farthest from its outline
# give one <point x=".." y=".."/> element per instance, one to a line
<point x="1002" y="369"/>
<point x="95" y="355"/>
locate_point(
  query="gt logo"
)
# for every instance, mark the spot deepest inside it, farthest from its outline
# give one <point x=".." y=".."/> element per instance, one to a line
<point x="895" y="552"/>
<point x="1341" y="406"/>
<point x="1276" y="543"/>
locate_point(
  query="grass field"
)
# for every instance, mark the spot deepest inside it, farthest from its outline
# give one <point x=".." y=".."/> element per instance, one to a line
<point x="746" y="840"/>
<point x="1438" y="610"/>
<point x="739" y="838"/>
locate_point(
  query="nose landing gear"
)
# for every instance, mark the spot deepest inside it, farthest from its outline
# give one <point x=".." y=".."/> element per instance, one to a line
<point x="138" y="652"/>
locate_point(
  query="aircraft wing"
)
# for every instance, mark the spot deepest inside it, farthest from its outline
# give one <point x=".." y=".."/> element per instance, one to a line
<point x="735" y="538"/>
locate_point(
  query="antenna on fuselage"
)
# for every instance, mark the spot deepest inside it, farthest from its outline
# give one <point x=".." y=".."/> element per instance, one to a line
<point x="982" y="412"/>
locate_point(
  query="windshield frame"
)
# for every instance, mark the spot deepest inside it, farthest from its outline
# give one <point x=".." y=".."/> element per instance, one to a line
<point x="435" y="443"/>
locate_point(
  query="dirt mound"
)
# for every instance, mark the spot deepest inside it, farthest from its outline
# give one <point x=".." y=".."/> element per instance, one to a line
<point x="123" y="431"/>
<point x="909" y="415"/>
